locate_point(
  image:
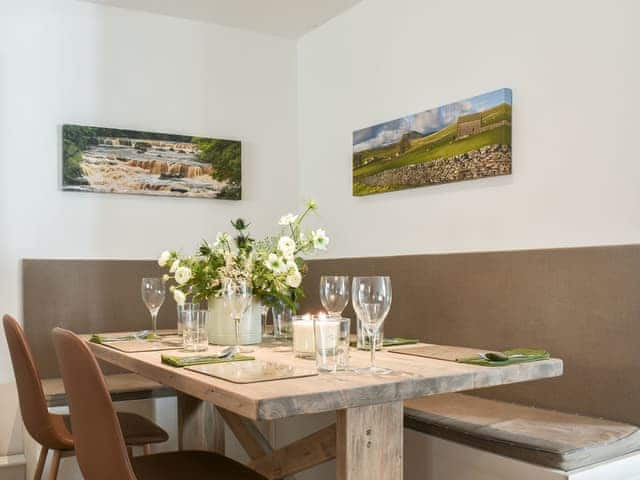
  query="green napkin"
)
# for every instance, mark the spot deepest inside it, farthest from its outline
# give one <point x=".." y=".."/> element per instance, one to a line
<point x="202" y="359"/>
<point x="96" y="338"/>
<point x="391" y="342"/>
<point x="515" y="355"/>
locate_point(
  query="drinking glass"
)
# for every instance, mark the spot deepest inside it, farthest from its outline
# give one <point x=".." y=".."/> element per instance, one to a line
<point x="182" y="308"/>
<point x="264" y="314"/>
<point x="334" y="293"/>
<point x="153" y="297"/>
<point x="372" y="302"/>
<point x="331" y="335"/>
<point x="195" y="337"/>
<point x="282" y="329"/>
<point x="236" y="295"/>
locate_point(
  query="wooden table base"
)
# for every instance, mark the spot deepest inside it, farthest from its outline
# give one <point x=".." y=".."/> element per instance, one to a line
<point x="366" y="441"/>
<point x="369" y="442"/>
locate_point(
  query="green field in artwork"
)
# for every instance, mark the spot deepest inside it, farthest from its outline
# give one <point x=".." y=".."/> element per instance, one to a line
<point x="110" y="160"/>
<point x="461" y="141"/>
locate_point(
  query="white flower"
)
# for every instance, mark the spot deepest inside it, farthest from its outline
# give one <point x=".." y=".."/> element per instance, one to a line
<point x="164" y="258"/>
<point x="174" y="266"/>
<point x="179" y="296"/>
<point x="287" y="246"/>
<point x="294" y="279"/>
<point x="288" y="219"/>
<point x="320" y="239"/>
<point x="165" y="277"/>
<point x="275" y="263"/>
<point x="221" y="238"/>
<point x="183" y="275"/>
<point x="291" y="265"/>
<point x="312" y="205"/>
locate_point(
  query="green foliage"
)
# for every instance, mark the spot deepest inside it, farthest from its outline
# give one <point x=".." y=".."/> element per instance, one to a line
<point x="224" y="156"/>
<point x="362" y="189"/>
<point x="75" y="140"/>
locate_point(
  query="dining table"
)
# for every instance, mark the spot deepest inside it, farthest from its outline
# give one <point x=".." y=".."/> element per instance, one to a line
<point x="366" y="439"/>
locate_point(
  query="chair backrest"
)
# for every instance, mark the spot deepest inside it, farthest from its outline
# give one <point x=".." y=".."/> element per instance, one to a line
<point x="40" y="424"/>
<point x="99" y="443"/>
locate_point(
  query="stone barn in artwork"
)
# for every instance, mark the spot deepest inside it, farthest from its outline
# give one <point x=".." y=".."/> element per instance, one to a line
<point x="469" y="124"/>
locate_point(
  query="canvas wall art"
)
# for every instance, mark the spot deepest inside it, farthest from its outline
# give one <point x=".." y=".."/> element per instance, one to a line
<point x="461" y="141"/>
<point x="97" y="159"/>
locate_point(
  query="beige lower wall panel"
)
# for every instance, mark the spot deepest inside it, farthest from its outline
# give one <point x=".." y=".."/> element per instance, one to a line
<point x="10" y="421"/>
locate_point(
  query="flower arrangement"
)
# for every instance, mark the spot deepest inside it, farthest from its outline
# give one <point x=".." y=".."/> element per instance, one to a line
<point x="274" y="266"/>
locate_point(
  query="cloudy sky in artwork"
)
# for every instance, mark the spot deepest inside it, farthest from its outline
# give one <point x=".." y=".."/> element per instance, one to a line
<point x="426" y="122"/>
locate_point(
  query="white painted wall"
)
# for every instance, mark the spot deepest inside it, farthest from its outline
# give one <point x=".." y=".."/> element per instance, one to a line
<point x="63" y="61"/>
<point x="574" y="70"/>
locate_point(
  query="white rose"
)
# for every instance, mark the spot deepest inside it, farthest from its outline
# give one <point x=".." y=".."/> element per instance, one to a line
<point x="183" y="275"/>
<point x="174" y="266"/>
<point x="288" y="219"/>
<point x="179" y="296"/>
<point x="287" y="246"/>
<point x="320" y="239"/>
<point x="275" y="263"/>
<point x="164" y="258"/>
<point x="291" y="266"/>
<point x="294" y="279"/>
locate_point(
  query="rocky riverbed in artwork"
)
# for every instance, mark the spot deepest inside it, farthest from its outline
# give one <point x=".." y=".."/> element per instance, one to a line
<point x="123" y="170"/>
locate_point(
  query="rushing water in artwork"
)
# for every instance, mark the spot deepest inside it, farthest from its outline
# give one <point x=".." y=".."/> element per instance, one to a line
<point x="122" y="161"/>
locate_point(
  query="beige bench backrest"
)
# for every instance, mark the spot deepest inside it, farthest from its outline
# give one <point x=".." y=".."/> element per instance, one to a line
<point x="582" y="304"/>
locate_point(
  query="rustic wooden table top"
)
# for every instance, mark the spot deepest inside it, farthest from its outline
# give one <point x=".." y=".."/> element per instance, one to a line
<point x="412" y="377"/>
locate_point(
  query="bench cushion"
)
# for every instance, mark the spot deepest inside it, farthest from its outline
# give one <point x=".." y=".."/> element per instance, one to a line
<point x="121" y="386"/>
<point x="543" y="437"/>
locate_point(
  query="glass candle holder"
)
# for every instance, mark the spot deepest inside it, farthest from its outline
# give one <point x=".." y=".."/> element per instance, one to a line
<point x="195" y="337"/>
<point x="182" y="308"/>
<point x="303" y="337"/>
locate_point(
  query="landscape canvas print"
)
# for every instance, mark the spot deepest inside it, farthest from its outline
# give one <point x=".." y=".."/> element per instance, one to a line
<point x="96" y="159"/>
<point x="461" y="141"/>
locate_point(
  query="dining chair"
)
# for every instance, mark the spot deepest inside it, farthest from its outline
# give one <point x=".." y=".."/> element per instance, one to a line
<point x="52" y="431"/>
<point x="99" y="442"/>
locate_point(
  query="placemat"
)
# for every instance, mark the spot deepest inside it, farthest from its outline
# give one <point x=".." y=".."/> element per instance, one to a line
<point x="252" y="371"/>
<point x="136" y="346"/>
<point x="441" y="352"/>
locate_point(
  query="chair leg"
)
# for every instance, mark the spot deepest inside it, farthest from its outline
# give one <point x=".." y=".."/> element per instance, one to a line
<point x="40" y="465"/>
<point x="147" y="448"/>
<point x="55" y="464"/>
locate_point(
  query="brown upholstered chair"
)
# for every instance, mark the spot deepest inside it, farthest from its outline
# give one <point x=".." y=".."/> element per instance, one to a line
<point x="98" y="438"/>
<point x="51" y="431"/>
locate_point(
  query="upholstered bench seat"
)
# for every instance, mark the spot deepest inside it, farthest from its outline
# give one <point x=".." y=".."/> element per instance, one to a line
<point x="121" y="386"/>
<point x="542" y="437"/>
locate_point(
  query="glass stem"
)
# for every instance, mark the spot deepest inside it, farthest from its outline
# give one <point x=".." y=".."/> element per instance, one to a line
<point x="374" y="343"/>
<point x="237" y="325"/>
<point x="154" y="322"/>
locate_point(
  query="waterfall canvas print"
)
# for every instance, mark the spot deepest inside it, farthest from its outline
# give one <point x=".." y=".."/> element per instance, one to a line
<point x="464" y="140"/>
<point x="97" y="159"/>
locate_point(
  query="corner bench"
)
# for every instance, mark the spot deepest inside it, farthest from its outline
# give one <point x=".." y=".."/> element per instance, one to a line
<point x="545" y="438"/>
<point x="122" y="386"/>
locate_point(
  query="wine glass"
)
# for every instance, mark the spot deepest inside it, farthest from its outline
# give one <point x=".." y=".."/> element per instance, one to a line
<point x="372" y="302"/>
<point x="236" y="295"/>
<point x="153" y="297"/>
<point x="334" y="293"/>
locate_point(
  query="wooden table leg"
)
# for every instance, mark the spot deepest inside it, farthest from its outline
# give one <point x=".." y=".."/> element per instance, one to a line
<point x="200" y="426"/>
<point x="369" y="442"/>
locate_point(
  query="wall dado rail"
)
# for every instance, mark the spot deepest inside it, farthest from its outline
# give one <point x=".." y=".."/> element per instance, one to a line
<point x="581" y="304"/>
